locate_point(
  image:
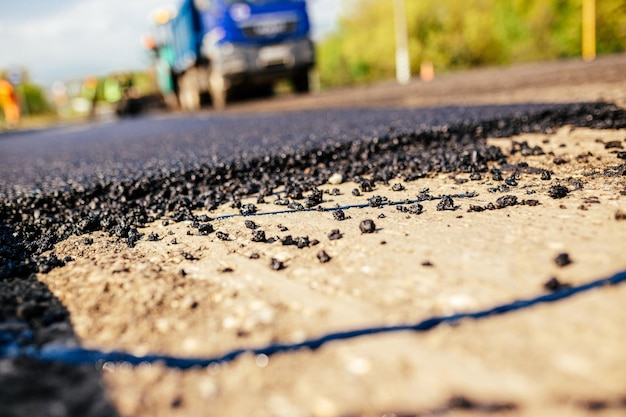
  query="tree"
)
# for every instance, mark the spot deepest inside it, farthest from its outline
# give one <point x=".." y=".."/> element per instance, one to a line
<point x="457" y="34"/>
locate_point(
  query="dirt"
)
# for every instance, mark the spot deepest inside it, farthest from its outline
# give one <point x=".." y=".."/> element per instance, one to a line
<point x="191" y="294"/>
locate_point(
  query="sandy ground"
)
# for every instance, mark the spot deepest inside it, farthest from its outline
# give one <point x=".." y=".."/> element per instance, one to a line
<point x="565" y="358"/>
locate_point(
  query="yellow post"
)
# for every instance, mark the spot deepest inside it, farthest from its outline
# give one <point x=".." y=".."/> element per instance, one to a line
<point x="589" y="30"/>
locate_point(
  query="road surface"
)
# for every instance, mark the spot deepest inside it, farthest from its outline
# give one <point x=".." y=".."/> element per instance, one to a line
<point x="129" y="236"/>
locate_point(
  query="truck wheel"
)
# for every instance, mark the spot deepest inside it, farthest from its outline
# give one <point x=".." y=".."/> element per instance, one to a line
<point x="300" y="82"/>
<point x="218" y="90"/>
<point x="188" y="91"/>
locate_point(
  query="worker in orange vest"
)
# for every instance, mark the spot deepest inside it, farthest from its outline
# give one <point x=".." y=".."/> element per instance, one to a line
<point x="9" y="103"/>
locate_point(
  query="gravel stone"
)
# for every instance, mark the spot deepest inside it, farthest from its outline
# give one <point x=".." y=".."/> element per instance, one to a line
<point x="367" y="226"/>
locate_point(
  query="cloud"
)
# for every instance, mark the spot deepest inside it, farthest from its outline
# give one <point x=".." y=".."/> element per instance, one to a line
<point x="81" y="38"/>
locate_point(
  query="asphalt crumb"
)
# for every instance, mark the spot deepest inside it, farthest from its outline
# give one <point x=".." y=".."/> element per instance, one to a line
<point x="563" y="259"/>
<point x="558" y="191"/>
<point x="367" y="226"/>
<point x="553" y="285"/>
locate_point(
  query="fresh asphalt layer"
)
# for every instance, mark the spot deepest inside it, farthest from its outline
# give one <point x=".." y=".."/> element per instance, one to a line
<point x="89" y="154"/>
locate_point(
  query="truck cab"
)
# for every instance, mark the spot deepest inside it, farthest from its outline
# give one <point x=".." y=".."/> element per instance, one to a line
<point x="222" y="46"/>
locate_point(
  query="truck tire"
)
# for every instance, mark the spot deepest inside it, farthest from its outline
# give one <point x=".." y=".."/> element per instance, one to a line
<point x="218" y="90"/>
<point x="188" y="91"/>
<point x="300" y="82"/>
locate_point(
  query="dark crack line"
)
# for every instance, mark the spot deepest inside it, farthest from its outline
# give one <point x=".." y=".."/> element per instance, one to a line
<point x="9" y="346"/>
<point x="346" y="207"/>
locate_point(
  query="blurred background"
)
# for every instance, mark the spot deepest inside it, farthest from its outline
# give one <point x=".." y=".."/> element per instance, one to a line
<point x="74" y="59"/>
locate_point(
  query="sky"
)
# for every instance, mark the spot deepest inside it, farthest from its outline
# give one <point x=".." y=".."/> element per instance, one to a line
<point x="70" y="39"/>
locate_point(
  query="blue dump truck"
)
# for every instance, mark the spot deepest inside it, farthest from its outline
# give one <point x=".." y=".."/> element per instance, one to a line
<point x="217" y="49"/>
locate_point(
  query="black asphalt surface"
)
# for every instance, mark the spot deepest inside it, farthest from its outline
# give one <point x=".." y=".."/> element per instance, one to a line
<point x="87" y="154"/>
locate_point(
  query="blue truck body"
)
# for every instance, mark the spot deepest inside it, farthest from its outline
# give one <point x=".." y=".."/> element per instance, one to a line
<point x="218" y="47"/>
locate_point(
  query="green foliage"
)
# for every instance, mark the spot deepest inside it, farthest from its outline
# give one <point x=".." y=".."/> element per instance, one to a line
<point x="35" y="99"/>
<point x="457" y="34"/>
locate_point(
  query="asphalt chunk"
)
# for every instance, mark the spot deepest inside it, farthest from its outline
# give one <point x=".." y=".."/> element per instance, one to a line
<point x="294" y="205"/>
<point x="553" y="285"/>
<point x="335" y="234"/>
<point x="323" y="257"/>
<point x="563" y="259"/>
<point x="339" y="215"/>
<point x="247" y="209"/>
<point x="188" y="256"/>
<point x="251" y="225"/>
<point x="258" y="236"/>
<point x="222" y="236"/>
<point x="614" y="144"/>
<point x="376" y="201"/>
<point x="558" y="191"/>
<point x="446" y="203"/>
<point x="316" y="198"/>
<point x="205" y="229"/>
<point x="302" y="242"/>
<point x="506" y="201"/>
<point x="367" y="226"/>
<point x="277" y="265"/>
<point x="415" y="208"/>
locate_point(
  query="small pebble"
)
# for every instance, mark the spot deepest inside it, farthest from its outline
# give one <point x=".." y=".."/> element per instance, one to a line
<point x="367" y="226"/>
<point x="335" y="234"/>
<point x="339" y="215"/>
<point x="323" y="257"/>
<point x="562" y="260"/>
<point x="553" y="285"/>
<point x="251" y="225"/>
<point x="335" y="179"/>
<point x="558" y="191"/>
<point x="205" y="229"/>
<point x="258" y="236"/>
<point x="446" y="203"/>
<point x="277" y="265"/>
<point x="222" y="236"/>
<point x="248" y="209"/>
